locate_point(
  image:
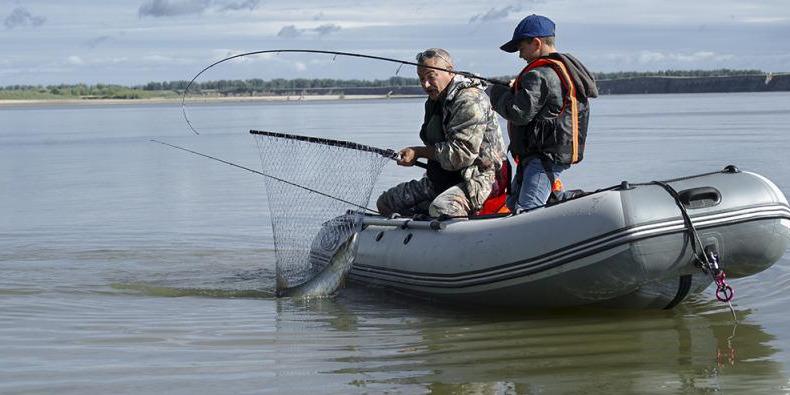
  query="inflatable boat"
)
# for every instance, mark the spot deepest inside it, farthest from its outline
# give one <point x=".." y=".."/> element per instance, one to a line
<point x="648" y="245"/>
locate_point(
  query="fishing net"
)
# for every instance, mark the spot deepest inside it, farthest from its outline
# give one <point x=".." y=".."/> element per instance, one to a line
<point x="317" y="190"/>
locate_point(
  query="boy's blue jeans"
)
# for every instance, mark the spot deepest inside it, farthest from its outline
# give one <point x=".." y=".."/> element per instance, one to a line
<point x="534" y="187"/>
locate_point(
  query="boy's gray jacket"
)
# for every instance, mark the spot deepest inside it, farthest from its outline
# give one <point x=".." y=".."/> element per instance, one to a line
<point x="544" y="118"/>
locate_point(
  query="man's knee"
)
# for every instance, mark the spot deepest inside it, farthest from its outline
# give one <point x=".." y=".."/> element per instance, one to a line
<point x="453" y="203"/>
<point x="405" y="198"/>
<point x="445" y="208"/>
<point x="383" y="207"/>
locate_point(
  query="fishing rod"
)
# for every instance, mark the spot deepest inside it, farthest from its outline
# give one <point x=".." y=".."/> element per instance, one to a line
<point x="335" y="53"/>
<point x="265" y="175"/>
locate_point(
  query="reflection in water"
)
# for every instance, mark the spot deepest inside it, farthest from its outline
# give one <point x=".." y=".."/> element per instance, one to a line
<point x="368" y="341"/>
<point x="696" y="348"/>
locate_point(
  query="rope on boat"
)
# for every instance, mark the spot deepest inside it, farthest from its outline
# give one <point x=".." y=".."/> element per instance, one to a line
<point x="706" y="256"/>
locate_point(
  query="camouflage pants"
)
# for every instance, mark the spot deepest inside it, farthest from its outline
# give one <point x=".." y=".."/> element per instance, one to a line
<point x="417" y="196"/>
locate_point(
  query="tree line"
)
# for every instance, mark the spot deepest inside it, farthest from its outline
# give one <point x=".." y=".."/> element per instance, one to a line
<point x="280" y="85"/>
<point x="97" y="91"/>
<point x="221" y="86"/>
<point x="676" y="73"/>
<point x="257" y="84"/>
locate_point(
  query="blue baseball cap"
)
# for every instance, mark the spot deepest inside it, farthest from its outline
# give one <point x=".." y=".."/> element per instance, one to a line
<point x="529" y="27"/>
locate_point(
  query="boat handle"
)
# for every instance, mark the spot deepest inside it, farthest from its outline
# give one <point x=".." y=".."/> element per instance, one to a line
<point x="404" y="223"/>
<point x="701" y="197"/>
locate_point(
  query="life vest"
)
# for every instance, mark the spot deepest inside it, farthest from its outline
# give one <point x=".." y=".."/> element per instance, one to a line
<point x="559" y="139"/>
<point x="495" y="203"/>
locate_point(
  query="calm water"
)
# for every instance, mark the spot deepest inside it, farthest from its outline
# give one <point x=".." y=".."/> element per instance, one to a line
<point x="127" y="267"/>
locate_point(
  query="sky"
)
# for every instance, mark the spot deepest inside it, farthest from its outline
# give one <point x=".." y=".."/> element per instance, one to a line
<point x="133" y="42"/>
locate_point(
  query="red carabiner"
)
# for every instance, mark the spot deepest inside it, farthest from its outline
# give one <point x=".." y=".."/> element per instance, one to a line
<point x="724" y="292"/>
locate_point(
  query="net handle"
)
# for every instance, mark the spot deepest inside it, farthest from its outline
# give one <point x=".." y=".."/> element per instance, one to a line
<point x="387" y="153"/>
<point x="334" y="143"/>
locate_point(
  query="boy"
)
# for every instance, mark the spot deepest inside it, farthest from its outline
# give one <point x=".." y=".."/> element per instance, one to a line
<point x="547" y="112"/>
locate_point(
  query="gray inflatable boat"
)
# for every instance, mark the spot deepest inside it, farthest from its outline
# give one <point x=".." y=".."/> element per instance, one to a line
<point x="633" y="246"/>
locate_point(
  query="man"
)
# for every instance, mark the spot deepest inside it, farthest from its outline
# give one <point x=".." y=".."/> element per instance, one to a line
<point x="547" y="112"/>
<point x="463" y="146"/>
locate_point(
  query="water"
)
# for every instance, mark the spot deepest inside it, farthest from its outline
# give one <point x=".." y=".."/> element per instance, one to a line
<point x="129" y="267"/>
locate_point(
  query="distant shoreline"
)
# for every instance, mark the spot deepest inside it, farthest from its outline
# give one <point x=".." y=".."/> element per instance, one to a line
<point x="620" y="86"/>
<point x="196" y="100"/>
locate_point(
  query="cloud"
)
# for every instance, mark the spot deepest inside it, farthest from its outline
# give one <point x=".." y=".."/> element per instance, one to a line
<point x="261" y="58"/>
<point x="75" y="60"/>
<point x="171" y="8"/>
<point x="650" y="57"/>
<point x="22" y="17"/>
<point x="702" y="56"/>
<point x="291" y="31"/>
<point x="766" y="19"/>
<point x="246" y="5"/>
<point x="326" y="29"/>
<point x="168" y="8"/>
<point x="646" y="57"/>
<point x="94" y="42"/>
<point x="494" y="14"/>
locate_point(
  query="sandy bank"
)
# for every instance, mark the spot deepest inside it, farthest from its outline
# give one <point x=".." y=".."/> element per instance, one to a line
<point x="196" y="100"/>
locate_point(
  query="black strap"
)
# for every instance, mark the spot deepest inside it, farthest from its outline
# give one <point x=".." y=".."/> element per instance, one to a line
<point x="684" y="286"/>
<point x="696" y="243"/>
<point x="509" y="174"/>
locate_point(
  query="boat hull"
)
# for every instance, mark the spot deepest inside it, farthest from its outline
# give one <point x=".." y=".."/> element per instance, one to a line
<point x="626" y="247"/>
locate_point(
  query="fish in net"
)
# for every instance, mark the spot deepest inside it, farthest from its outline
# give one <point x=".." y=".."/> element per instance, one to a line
<point x="318" y="190"/>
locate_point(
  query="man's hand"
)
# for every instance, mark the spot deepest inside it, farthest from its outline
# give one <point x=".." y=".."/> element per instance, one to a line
<point x="407" y="156"/>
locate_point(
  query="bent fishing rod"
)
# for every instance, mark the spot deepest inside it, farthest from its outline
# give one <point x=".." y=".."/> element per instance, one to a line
<point x="335" y="54"/>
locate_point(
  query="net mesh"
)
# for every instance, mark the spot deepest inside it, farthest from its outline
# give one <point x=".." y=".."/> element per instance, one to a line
<point x="312" y="186"/>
